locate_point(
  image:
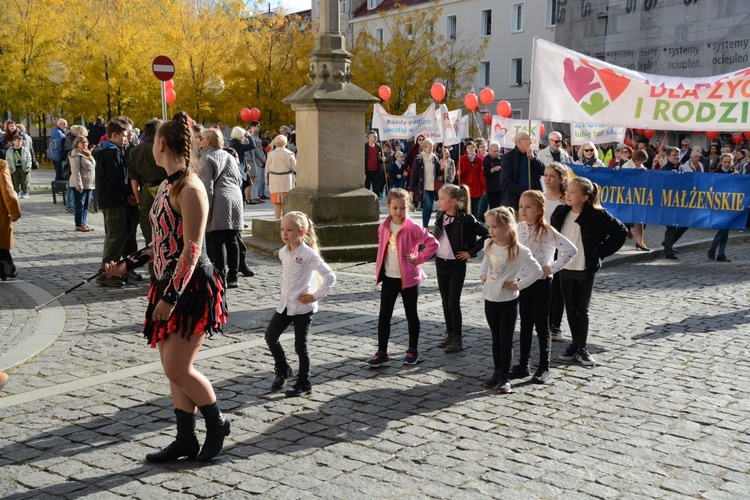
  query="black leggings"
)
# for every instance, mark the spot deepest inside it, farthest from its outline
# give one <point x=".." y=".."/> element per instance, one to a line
<point x="279" y="322"/>
<point x="557" y="305"/>
<point x="226" y="252"/>
<point x="577" y="287"/>
<point x="450" y="277"/>
<point x="533" y="305"/>
<point x="501" y="317"/>
<point x="388" y="295"/>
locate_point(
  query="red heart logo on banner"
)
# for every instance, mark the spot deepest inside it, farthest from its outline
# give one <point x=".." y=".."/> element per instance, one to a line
<point x="579" y="81"/>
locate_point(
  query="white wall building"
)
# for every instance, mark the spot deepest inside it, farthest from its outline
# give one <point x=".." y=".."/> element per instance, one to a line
<point x="509" y="25"/>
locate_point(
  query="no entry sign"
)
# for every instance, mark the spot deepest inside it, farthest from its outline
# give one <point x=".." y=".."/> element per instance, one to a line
<point x="163" y="68"/>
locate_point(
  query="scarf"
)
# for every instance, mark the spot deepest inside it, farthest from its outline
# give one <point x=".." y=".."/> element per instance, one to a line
<point x="588" y="161"/>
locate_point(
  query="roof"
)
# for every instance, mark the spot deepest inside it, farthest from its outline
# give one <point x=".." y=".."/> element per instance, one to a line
<point x="385" y="5"/>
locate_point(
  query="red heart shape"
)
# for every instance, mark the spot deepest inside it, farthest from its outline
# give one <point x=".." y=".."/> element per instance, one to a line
<point x="579" y="81"/>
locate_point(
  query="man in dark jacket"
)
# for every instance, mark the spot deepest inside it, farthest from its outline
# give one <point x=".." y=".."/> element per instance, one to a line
<point x="96" y="131"/>
<point x="520" y="170"/>
<point x="492" y="164"/>
<point x="113" y="191"/>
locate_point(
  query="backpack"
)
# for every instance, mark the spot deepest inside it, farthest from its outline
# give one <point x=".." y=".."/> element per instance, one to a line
<point x="54" y="151"/>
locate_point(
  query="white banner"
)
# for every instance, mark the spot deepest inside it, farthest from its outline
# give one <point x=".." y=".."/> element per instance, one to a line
<point x="598" y="134"/>
<point x="403" y="126"/>
<point x="463" y="131"/>
<point x="449" y="122"/>
<point x="570" y="87"/>
<point x="504" y="131"/>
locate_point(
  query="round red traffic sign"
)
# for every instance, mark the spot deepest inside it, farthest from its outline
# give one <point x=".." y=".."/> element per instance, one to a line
<point x="163" y="68"/>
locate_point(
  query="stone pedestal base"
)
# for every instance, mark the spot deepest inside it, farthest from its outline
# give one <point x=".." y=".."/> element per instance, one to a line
<point x="359" y="205"/>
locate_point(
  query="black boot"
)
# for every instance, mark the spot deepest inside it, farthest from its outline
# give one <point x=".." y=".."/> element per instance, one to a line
<point x="217" y="428"/>
<point x="446" y="341"/>
<point x="455" y="345"/>
<point x="281" y="375"/>
<point x="245" y="270"/>
<point x="185" y="445"/>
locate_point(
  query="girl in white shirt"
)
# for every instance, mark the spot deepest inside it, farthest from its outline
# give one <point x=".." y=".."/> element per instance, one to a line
<point x="503" y="259"/>
<point x="556" y="182"/>
<point x="552" y="250"/>
<point x="305" y="279"/>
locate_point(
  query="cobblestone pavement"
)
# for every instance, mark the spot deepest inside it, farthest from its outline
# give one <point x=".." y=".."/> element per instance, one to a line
<point x="664" y="414"/>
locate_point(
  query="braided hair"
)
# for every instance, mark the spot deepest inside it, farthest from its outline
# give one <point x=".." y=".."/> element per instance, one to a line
<point x="178" y="136"/>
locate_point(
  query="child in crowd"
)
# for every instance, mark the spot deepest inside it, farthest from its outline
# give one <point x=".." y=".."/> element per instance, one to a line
<point x="19" y="162"/>
<point x="305" y="279"/>
<point x="596" y="234"/>
<point x="397" y="266"/>
<point x="726" y="166"/>
<point x="460" y="236"/>
<point x="552" y="250"/>
<point x="503" y="259"/>
<point x="396" y="177"/>
<point x="555" y="181"/>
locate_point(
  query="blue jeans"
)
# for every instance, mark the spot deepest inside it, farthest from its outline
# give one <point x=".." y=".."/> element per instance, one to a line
<point x="720" y="240"/>
<point x="427" y="202"/>
<point x="262" y="182"/>
<point x="81" y="204"/>
<point x="69" y="197"/>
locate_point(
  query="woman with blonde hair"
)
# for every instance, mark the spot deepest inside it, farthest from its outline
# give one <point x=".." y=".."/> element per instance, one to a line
<point x="588" y="155"/>
<point x="280" y="172"/>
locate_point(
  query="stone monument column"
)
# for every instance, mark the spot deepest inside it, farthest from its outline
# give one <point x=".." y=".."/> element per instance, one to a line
<point x="330" y="125"/>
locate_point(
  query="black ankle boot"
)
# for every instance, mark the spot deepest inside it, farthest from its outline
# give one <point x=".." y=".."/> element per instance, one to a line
<point x="217" y="428"/>
<point x="455" y="345"/>
<point x="281" y="377"/>
<point x="185" y="445"/>
<point x="447" y="340"/>
<point x="246" y="271"/>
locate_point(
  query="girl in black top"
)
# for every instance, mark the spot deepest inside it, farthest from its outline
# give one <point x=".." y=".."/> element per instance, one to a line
<point x="596" y="234"/>
<point x="460" y="236"/>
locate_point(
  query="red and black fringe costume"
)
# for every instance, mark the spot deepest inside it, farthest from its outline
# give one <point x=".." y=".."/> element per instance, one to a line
<point x="198" y="298"/>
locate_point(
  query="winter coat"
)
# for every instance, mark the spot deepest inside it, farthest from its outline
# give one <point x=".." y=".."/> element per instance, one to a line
<point x="280" y="168"/>
<point x="465" y="233"/>
<point x="10" y="210"/>
<point x="416" y="177"/>
<point x="257" y="156"/>
<point x="57" y="141"/>
<point x="26" y="160"/>
<point x="545" y="156"/>
<point x="408" y="240"/>
<point x="81" y="170"/>
<point x="472" y="174"/>
<point x="111" y="179"/>
<point x="509" y="175"/>
<point x="220" y="173"/>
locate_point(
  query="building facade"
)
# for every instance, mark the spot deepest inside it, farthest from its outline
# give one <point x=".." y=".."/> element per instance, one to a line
<point x="509" y="26"/>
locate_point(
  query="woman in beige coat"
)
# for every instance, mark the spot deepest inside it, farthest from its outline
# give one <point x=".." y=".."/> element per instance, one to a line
<point x="280" y="172"/>
<point x="82" y="167"/>
<point x="10" y="211"/>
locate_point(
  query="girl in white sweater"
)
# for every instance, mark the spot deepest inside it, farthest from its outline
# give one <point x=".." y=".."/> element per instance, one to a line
<point x="504" y="258"/>
<point x="543" y="240"/>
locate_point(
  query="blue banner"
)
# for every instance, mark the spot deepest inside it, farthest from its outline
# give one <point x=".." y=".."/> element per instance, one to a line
<point x="656" y="197"/>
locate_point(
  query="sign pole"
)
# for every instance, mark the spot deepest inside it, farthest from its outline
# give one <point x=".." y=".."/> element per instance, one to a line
<point x="164" y="101"/>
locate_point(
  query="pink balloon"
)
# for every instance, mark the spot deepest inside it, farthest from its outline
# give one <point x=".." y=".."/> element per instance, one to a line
<point x="437" y="91"/>
<point x="471" y="101"/>
<point x="384" y="92"/>
<point x="245" y="115"/>
<point x="486" y="96"/>
<point x="255" y="114"/>
<point x="170" y="95"/>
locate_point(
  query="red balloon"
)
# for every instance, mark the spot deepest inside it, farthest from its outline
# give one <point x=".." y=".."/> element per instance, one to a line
<point x="476" y="108"/>
<point x="471" y="101"/>
<point x="747" y="135"/>
<point x="737" y="138"/>
<point x="697" y="132"/>
<point x="640" y="131"/>
<point x="503" y="109"/>
<point x="487" y="119"/>
<point x="384" y="92"/>
<point x="486" y="96"/>
<point x="169" y="84"/>
<point x="712" y="135"/>
<point x="649" y="133"/>
<point x="170" y="95"/>
<point x="437" y="91"/>
<point x="255" y="114"/>
<point x="541" y="129"/>
<point x="245" y="115"/>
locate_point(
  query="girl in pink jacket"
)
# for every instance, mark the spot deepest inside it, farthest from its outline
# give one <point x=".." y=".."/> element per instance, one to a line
<point x="397" y="266"/>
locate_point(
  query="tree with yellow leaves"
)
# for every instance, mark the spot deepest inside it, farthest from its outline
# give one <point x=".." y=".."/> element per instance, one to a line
<point x="414" y="57"/>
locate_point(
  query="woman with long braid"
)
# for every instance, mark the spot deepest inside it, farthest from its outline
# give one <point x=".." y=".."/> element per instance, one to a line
<point x="186" y="301"/>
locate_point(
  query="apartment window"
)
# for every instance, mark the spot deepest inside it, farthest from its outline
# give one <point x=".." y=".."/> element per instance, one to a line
<point x="379" y="35"/>
<point x="516" y="114"/>
<point x="431" y="33"/>
<point x="371" y="4"/>
<point x="409" y="31"/>
<point x="516" y="71"/>
<point x="551" y="16"/>
<point x="486" y="20"/>
<point x="484" y="74"/>
<point x="342" y="6"/>
<point x="452" y="28"/>
<point x="517" y="20"/>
